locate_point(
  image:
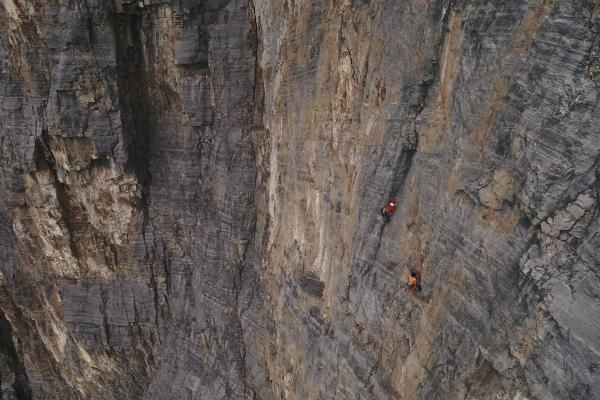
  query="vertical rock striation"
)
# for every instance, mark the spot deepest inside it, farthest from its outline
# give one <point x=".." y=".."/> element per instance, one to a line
<point x="191" y="194"/>
<point x="483" y="120"/>
<point x="128" y="173"/>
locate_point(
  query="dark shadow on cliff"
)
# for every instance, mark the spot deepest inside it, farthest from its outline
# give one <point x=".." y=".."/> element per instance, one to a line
<point x="136" y="111"/>
<point x="8" y="354"/>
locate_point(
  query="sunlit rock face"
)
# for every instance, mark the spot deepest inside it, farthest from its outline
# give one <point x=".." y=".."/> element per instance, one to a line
<point x="190" y="196"/>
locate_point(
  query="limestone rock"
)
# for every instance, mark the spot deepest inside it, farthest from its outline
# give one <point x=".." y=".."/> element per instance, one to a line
<point x="191" y="194"/>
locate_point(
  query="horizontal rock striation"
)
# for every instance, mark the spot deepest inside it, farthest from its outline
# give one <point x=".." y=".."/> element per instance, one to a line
<point x="191" y="196"/>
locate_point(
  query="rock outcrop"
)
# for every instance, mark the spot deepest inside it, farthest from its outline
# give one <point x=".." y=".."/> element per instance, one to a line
<point x="191" y="195"/>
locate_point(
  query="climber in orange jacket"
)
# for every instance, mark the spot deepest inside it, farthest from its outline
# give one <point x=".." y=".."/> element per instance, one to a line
<point x="413" y="282"/>
<point x="389" y="209"/>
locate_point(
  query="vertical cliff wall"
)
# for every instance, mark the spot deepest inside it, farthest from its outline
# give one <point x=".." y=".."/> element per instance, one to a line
<point x="128" y="198"/>
<point x="483" y="120"/>
<point x="191" y="195"/>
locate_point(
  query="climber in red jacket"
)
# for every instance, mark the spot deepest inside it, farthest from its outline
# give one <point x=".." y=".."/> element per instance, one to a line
<point x="389" y="209"/>
<point x="413" y="282"/>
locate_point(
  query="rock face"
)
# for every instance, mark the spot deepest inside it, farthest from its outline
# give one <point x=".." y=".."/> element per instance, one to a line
<point x="191" y="195"/>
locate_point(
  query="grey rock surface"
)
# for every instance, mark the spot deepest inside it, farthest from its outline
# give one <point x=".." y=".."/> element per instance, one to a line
<point x="191" y="193"/>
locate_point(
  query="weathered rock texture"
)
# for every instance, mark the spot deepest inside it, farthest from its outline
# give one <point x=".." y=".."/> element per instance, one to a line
<point x="190" y="195"/>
